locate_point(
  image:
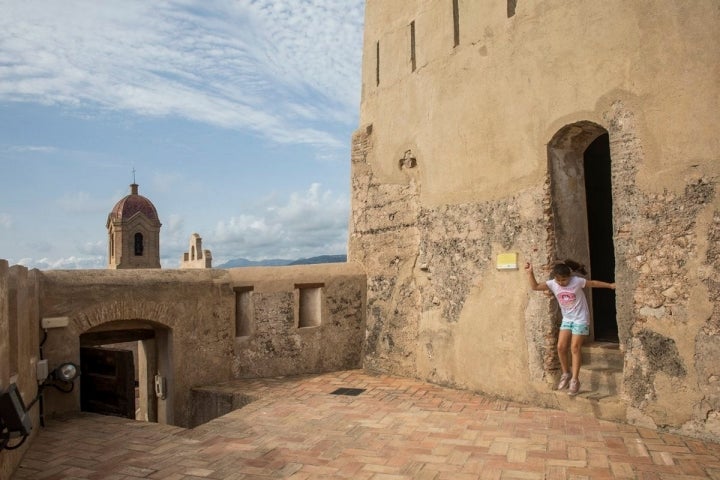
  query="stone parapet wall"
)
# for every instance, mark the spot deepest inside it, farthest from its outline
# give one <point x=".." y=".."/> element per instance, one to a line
<point x="194" y="316"/>
<point x="19" y="349"/>
<point x="279" y="341"/>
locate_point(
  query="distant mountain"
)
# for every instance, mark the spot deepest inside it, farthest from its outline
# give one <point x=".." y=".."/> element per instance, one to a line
<point x="277" y="262"/>
<point x="244" y="262"/>
<point x="321" y="259"/>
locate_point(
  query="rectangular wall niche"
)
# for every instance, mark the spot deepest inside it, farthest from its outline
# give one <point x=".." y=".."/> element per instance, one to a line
<point x="243" y="311"/>
<point x="309" y="304"/>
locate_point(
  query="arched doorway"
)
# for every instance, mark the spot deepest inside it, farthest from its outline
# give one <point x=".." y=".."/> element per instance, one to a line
<point x="581" y="189"/>
<point x="126" y="370"/>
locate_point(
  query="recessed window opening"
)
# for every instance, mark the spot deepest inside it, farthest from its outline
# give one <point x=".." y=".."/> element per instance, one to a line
<point x="456" y="23"/>
<point x="377" y="63"/>
<point x="139" y="244"/>
<point x="581" y="189"/>
<point x="309" y="305"/>
<point x="243" y="311"/>
<point x="413" y="62"/>
<point x="511" y="5"/>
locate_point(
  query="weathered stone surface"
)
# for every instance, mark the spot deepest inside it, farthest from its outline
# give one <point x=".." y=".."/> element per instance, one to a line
<point x="499" y="141"/>
<point x="192" y="317"/>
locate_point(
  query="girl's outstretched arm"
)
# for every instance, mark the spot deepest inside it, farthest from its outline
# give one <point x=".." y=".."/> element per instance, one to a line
<point x="599" y="284"/>
<point x="534" y="285"/>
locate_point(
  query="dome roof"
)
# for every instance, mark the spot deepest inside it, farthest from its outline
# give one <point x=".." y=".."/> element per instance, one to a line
<point x="132" y="204"/>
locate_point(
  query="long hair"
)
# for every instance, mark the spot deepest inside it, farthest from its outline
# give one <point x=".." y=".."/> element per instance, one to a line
<point x="568" y="267"/>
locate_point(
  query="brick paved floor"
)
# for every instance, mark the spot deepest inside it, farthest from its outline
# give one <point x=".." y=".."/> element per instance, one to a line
<point x="397" y="429"/>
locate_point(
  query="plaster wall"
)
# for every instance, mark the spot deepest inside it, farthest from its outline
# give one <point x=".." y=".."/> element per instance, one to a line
<point x="194" y="313"/>
<point x="19" y="354"/>
<point x="277" y="344"/>
<point x="483" y="123"/>
<point x="497" y="98"/>
<point x="193" y="308"/>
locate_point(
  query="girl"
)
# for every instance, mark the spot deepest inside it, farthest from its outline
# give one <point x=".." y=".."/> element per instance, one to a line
<point x="568" y="290"/>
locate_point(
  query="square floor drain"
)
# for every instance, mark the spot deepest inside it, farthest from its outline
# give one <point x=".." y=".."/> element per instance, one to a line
<point x="353" y="392"/>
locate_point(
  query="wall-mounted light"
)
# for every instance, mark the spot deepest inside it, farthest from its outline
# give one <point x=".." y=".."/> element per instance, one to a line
<point x="61" y="378"/>
<point x="66" y="372"/>
<point x="14" y="418"/>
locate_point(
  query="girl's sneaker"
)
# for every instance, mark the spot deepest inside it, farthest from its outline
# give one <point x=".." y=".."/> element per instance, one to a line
<point x="574" y="387"/>
<point x="564" y="381"/>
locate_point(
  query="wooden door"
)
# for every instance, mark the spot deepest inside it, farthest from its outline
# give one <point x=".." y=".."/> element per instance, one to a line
<point x="107" y="381"/>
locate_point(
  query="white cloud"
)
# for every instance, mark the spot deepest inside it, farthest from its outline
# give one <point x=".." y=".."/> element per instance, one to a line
<point x="33" y="149"/>
<point x="70" y="263"/>
<point x="269" y="66"/>
<point x="5" y="220"/>
<point x="306" y="224"/>
<point x="309" y="224"/>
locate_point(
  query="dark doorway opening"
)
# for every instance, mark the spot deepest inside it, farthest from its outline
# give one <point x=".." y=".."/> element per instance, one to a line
<point x="118" y="367"/>
<point x="598" y="194"/>
<point x="107" y="383"/>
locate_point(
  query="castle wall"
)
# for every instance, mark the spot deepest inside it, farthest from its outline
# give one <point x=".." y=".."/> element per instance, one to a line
<point x="191" y="312"/>
<point x="453" y="165"/>
<point x="19" y="351"/>
<point x="279" y="340"/>
<point x="195" y="317"/>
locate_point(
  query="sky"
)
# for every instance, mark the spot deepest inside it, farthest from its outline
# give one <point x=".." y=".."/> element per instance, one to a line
<point x="234" y="117"/>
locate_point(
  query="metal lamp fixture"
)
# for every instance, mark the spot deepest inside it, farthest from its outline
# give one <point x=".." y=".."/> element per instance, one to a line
<point x="66" y="372"/>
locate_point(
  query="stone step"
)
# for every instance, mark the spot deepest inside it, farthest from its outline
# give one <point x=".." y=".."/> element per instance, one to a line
<point x="603" y="355"/>
<point x="587" y="402"/>
<point x="601" y="380"/>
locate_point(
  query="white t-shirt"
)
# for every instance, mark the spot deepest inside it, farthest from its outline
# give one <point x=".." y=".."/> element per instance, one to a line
<point x="571" y="299"/>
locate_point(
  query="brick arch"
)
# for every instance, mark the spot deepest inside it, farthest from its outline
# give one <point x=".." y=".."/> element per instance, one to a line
<point x="126" y="315"/>
<point x="618" y="121"/>
<point x="156" y="313"/>
<point x="567" y="189"/>
<point x="564" y="148"/>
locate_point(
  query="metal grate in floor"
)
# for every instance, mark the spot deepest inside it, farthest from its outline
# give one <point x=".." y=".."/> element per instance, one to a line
<point x="353" y="392"/>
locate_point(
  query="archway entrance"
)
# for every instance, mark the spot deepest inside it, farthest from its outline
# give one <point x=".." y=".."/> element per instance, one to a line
<point x="124" y="368"/>
<point x="581" y="188"/>
<point x="598" y="195"/>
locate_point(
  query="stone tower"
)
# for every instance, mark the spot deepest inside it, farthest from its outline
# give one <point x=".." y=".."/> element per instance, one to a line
<point x="133" y="233"/>
<point x="196" y="257"/>
<point x="543" y="130"/>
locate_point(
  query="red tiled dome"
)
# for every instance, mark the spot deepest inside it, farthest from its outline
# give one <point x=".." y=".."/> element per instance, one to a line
<point x="132" y="204"/>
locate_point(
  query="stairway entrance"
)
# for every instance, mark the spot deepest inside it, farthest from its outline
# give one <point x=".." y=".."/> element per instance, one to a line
<point x="581" y="189"/>
<point x="125" y="368"/>
<point x="598" y="199"/>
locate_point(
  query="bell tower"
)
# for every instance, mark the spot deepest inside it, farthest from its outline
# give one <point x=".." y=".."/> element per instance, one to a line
<point x="133" y="233"/>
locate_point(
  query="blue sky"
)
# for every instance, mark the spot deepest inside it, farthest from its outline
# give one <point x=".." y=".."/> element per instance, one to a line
<point x="236" y="116"/>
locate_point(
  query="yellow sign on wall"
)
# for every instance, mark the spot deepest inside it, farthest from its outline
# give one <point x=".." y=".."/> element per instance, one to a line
<point x="507" y="261"/>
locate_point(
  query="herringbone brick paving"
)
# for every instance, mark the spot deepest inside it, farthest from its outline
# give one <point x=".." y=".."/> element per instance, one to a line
<point x="397" y="429"/>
